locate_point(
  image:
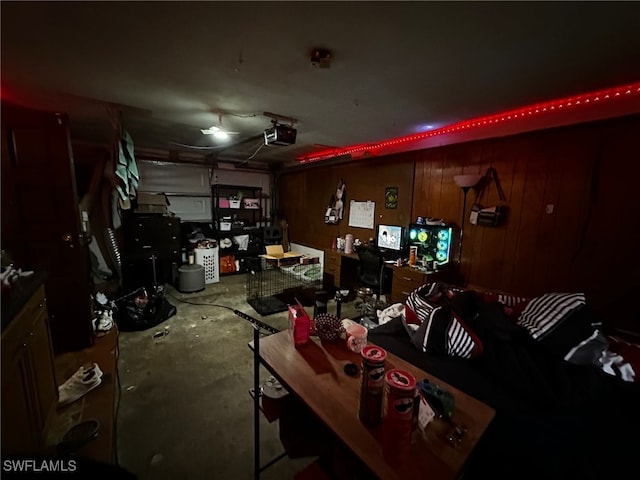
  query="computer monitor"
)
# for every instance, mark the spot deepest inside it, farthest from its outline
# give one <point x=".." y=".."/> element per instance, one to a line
<point x="391" y="239"/>
<point x="433" y="242"/>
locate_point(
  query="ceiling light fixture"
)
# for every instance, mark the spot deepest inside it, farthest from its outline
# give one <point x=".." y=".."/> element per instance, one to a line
<point x="217" y="131"/>
<point x="597" y="98"/>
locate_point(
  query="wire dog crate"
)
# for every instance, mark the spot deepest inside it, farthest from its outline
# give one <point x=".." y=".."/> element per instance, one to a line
<point x="270" y="289"/>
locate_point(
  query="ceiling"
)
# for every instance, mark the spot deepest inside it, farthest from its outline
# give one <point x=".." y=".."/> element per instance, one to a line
<point x="170" y="69"/>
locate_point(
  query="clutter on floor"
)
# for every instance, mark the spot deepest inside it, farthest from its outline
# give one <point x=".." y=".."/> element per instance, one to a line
<point x="142" y="309"/>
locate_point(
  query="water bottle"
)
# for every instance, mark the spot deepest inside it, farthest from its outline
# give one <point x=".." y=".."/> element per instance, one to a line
<point x="348" y="243"/>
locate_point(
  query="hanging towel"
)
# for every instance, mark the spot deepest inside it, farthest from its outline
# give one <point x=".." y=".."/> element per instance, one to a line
<point x="127" y="169"/>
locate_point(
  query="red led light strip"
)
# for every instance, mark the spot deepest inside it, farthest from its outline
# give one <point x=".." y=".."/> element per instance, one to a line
<point x="586" y="99"/>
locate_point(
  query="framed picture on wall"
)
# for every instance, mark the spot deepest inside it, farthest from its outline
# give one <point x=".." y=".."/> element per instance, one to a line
<point x="391" y="197"/>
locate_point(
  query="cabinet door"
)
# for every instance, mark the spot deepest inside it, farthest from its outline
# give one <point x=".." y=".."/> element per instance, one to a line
<point x="332" y="267"/>
<point x="20" y="432"/>
<point x="405" y="281"/>
<point x="41" y="358"/>
<point x="29" y="389"/>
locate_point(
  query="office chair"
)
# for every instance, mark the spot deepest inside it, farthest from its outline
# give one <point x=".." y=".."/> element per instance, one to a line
<point x="371" y="271"/>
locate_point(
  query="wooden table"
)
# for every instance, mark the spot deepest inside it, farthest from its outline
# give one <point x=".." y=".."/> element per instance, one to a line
<point x="314" y="373"/>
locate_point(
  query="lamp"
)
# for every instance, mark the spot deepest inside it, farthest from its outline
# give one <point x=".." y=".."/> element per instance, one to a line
<point x="465" y="182"/>
<point x="217" y="131"/>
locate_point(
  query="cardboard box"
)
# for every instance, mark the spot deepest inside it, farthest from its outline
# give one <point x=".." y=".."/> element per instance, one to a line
<point x="151" y="203"/>
<point x="277" y="256"/>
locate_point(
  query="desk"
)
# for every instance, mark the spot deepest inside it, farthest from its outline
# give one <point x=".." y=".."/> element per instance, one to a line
<point x="342" y="272"/>
<point x="341" y="269"/>
<point x="314" y="373"/>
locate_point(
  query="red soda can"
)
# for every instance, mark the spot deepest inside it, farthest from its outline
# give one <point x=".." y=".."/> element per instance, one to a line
<point x="398" y="419"/>
<point x="372" y="387"/>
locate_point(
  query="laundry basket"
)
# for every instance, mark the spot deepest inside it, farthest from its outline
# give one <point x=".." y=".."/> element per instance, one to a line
<point x="208" y="258"/>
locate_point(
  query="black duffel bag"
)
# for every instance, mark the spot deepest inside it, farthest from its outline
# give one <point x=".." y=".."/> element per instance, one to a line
<point x="140" y="310"/>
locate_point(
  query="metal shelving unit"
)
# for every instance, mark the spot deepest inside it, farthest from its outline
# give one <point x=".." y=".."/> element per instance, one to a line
<point x="238" y="210"/>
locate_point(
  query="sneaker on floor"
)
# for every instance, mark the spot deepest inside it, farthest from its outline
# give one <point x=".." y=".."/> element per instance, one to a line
<point x="79" y="384"/>
<point x="85" y="372"/>
<point x="105" y="321"/>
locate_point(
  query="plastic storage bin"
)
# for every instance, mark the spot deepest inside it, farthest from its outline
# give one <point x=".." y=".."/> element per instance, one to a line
<point x="251" y="203"/>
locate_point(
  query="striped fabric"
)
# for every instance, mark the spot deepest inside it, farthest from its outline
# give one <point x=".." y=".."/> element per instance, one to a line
<point x="460" y="341"/>
<point x="428" y="324"/>
<point x="510" y="300"/>
<point x="507" y="300"/>
<point x="545" y="313"/>
<point x="445" y="333"/>
<point x="434" y="328"/>
<point x="418" y="300"/>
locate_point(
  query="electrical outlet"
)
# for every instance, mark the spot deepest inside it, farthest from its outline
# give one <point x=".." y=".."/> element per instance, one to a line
<point x="549" y="208"/>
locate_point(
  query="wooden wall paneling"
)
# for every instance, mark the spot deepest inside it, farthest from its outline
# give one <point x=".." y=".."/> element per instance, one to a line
<point x="608" y="251"/>
<point x="610" y="255"/>
<point x="369" y="183"/>
<point x="619" y="189"/>
<point x="362" y="184"/>
<point x="571" y="162"/>
<point x="450" y="209"/>
<point x="469" y="157"/>
<point x="421" y="183"/>
<point x="473" y="249"/>
<point x="452" y="160"/>
<point x="327" y="181"/>
<point x="310" y="210"/>
<point x="488" y="246"/>
<point x="505" y="162"/>
<point x="365" y="181"/>
<point x="434" y="198"/>
<point x="547" y="238"/>
<point x="586" y="244"/>
<point x="535" y="178"/>
<point x="291" y="203"/>
<point x="320" y="188"/>
<point x="514" y="149"/>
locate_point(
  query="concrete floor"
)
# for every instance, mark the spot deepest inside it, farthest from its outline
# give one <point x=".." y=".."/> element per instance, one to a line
<point x="185" y="409"/>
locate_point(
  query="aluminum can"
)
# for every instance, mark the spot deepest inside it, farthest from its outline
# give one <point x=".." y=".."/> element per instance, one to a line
<point x="372" y="386"/>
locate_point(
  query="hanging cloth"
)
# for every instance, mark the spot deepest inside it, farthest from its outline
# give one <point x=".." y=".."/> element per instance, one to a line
<point x="127" y="169"/>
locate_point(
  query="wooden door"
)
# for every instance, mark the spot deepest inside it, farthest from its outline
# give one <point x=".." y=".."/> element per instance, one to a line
<point x="40" y="218"/>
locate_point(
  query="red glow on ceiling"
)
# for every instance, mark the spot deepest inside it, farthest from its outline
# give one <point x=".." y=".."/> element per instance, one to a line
<point x="518" y="114"/>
